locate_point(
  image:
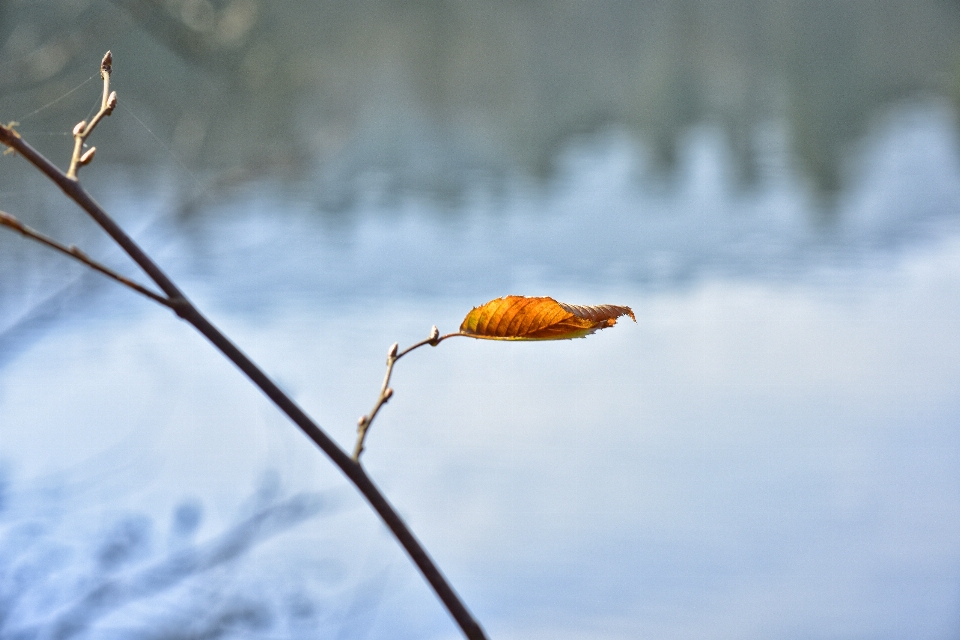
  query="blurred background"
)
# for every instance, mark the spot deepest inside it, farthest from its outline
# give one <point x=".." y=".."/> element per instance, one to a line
<point x="770" y="452"/>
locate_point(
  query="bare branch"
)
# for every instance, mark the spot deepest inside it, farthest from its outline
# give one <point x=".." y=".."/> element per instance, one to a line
<point x="185" y="309"/>
<point x="363" y="424"/>
<point x="7" y="220"/>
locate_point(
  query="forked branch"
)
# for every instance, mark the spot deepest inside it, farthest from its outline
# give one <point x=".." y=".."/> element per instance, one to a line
<point x="185" y="309"/>
<point x="7" y="220"/>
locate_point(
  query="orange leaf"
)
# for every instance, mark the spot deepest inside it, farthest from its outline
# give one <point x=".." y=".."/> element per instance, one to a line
<point x="521" y="318"/>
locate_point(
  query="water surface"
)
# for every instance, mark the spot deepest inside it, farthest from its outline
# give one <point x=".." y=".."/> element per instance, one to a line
<point x="770" y="452"/>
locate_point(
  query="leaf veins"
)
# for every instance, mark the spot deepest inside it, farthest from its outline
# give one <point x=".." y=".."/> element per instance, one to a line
<point x="522" y="318"/>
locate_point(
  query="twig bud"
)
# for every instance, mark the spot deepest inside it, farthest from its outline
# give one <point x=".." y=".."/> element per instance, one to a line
<point x="87" y="156"/>
<point x="392" y="353"/>
<point x="387" y="394"/>
<point x="111" y="102"/>
<point x="77" y="130"/>
<point x="434" y="335"/>
<point x="362" y="421"/>
<point x="106" y="65"/>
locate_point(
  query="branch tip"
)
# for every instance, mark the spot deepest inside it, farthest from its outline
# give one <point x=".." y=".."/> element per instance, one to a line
<point x="106" y="65"/>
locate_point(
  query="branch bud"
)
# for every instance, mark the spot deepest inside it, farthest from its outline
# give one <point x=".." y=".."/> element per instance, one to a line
<point x="434" y="335"/>
<point x="111" y="102"/>
<point x="392" y="353"/>
<point x="77" y="130"/>
<point x="362" y="421"/>
<point x="87" y="156"/>
<point x="387" y="394"/>
<point x="106" y="65"/>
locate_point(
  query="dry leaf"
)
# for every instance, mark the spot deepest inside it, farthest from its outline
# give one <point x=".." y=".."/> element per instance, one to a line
<point x="521" y="318"/>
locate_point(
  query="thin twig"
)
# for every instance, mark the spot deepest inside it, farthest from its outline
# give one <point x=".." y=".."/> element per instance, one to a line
<point x="8" y="220"/>
<point x="363" y="424"/>
<point x="385" y="394"/>
<point x="187" y="311"/>
<point x="83" y="129"/>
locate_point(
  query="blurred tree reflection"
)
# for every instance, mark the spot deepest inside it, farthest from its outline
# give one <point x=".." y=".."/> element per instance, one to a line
<point x="53" y="587"/>
<point x="430" y="91"/>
